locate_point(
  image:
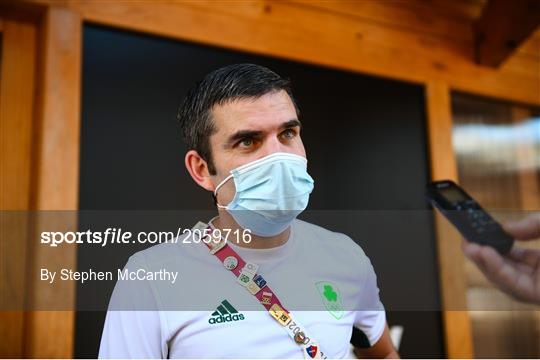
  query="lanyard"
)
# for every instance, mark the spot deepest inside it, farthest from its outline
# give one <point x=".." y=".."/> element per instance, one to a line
<point x="247" y="276"/>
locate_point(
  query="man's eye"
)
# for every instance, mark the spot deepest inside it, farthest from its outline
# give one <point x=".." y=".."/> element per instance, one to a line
<point x="289" y="134"/>
<point x="246" y="143"/>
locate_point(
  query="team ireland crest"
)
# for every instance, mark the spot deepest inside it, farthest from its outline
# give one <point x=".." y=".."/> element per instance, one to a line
<point x="331" y="298"/>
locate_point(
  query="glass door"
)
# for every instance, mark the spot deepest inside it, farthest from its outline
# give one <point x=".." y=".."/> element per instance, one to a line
<point x="497" y="147"/>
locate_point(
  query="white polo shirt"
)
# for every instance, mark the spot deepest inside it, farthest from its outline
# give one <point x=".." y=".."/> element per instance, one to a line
<point x="322" y="277"/>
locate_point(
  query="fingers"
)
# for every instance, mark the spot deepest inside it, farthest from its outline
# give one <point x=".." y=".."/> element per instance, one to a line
<point x="470" y="250"/>
<point x="529" y="257"/>
<point x="525" y="229"/>
<point x="501" y="272"/>
<point x="516" y="283"/>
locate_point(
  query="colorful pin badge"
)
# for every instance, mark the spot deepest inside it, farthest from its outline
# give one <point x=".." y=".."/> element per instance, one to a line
<point x="243" y="279"/>
<point x="259" y="280"/>
<point x="266" y="298"/>
<point x="251" y="268"/>
<point x="279" y="314"/>
<point x="230" y="263"/>
<point x="300" y="337"/>
<point x="312" y="352"/>
<point x="252" y="287"/>
<point x="215" y="246"/>
<point x="200" y="226"/>
<point x="284" y="319"/>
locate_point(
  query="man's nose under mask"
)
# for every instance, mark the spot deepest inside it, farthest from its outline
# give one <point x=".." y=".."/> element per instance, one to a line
<point x="270" y="193"/>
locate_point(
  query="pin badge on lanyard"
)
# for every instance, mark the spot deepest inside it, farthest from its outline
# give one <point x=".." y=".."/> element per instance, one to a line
<point x="254" y="283"/>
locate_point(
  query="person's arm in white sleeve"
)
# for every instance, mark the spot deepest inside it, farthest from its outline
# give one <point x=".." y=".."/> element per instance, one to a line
<point x="371" y="319"/>
<point x="133" y="326"/>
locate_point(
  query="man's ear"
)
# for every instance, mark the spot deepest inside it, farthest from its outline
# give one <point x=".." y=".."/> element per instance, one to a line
<point x="198" y="169"/>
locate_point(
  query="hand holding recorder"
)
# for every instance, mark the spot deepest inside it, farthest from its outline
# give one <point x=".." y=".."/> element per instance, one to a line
<point x="514" y="270"/>
<point x="518" y="272"/>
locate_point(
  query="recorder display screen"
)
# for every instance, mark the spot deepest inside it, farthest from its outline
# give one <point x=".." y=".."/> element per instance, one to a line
<point x="453" y="195"/>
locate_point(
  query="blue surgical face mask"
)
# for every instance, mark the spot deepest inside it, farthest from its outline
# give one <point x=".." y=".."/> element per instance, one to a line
<point x="270" y="193"/>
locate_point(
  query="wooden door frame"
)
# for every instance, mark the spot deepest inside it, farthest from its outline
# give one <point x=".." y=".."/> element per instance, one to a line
<point x="40" y="117"/>
<point x="17" y="85"/>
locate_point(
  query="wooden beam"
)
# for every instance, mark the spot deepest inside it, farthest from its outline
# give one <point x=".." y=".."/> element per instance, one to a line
<point x="16" y="113"/>
<point x="50" y="334"/>
<point x="403" y="15"/>
<point x="16" y="129"/>
<point x="504" y="25"/>
<point x="457" y="327"/>
<point x="305" y="33"/>
<point x="466" y="10"/>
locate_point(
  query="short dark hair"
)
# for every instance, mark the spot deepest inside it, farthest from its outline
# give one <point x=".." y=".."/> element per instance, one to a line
<point x="229" y="83"/>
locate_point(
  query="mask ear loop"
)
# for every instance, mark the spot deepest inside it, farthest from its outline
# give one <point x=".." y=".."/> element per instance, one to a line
<point x="217" y="188"/>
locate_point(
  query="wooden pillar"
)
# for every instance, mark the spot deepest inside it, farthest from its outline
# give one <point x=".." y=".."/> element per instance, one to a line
<point x="50" y="334"/>
<point x="457" y="326"/>
<point x="16" y="128"/>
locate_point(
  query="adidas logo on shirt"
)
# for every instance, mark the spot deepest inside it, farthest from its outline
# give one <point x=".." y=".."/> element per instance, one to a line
<point x="225" y="312"/>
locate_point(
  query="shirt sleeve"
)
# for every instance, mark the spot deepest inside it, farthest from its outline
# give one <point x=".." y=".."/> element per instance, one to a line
<point x="133" y="325"/>
<point x="370" y="316"/>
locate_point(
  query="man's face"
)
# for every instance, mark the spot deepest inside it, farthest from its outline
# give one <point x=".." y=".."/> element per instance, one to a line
<point x="249" y="129"/>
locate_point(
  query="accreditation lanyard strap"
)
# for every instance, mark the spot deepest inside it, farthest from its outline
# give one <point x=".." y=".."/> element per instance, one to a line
<point x="247" y="276"/>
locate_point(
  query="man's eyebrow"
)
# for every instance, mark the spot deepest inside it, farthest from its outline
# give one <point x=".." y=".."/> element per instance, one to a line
<point x="242" y="134"/>
<point x="290" y="124"/>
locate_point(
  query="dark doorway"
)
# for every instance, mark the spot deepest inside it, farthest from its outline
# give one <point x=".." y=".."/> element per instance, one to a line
<point x="365" y="139"/>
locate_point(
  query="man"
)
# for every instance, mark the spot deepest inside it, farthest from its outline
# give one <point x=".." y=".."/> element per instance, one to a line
<point x="517" y="273"/>
<point x="241" y="126"/>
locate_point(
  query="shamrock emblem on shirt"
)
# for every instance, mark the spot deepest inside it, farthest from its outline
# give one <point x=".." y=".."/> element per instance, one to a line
<point x="331" y="298"/>
<point x="329" y="293"/>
